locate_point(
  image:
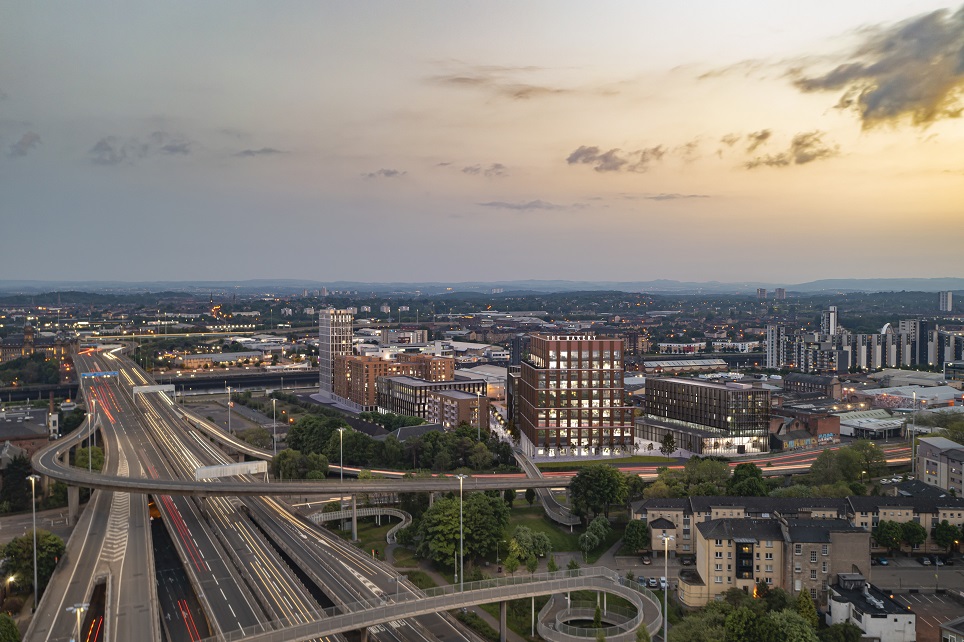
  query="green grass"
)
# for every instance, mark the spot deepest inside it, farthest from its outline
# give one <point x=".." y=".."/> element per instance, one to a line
<point x="421" y="579"/>
<point x="404" y="558"/>
<point x="518" y="614"/>
<point x="370" y="535"/>
<point x="635" y="459"/>
<point x="477" y="624"/>
<point x="535" y="518"/>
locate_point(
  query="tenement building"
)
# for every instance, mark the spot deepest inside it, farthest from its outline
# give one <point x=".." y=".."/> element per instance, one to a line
<point x="570" y="399"/>
<point x="706" y="417"/>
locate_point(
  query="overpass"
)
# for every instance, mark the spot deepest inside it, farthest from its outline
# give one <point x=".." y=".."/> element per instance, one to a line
<point x="361" y="615"/>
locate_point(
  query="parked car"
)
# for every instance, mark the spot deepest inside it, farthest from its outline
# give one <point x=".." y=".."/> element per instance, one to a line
<point x="662" y="583"/>
<point x="938" y="561"/>
<point x="883" y="561"/>
<point x="646" y="559"/>
<point x="948" y="561"/>
<point x="686" y="561"/>
<point x="926" y="561"/>
<point x="873" y="561"/>
<point x="896" y="480"/>
<point x="652" y="583"/>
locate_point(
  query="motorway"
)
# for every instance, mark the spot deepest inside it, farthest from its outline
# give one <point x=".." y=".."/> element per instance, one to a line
<point x="230" y="558"/>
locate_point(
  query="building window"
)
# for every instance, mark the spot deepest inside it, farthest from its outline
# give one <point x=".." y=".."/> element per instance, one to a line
<point x="824" y="567"/>
<point x="813" y="556"/>
<point x="825" y="549"/>
<point x="813" y="574"/>
<point x="798" y="549"/>
<point x="718" y="579"/>
<point x="769" y="543"/>
<point x="813" y="593"/>
<point x="769" y="556"/>
<point x="719" y="555"/>
<point x="796" y="568"/>
<point x="719" y="542"/>
<point x="769" y="580"/>
<point x="718" y="567"/>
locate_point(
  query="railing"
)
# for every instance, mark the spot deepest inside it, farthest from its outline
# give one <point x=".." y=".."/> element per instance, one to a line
<point x="554" y="510"/>
<point x="359" y="615"/>
<point x="371" y="511"/>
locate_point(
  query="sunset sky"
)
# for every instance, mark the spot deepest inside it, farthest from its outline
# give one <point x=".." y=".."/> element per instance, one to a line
<point x="451" y="141"/>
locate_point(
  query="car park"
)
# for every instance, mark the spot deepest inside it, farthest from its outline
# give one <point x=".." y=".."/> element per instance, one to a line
<point x="662" y="583"/>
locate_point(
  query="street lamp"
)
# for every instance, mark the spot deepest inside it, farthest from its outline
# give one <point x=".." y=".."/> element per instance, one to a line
<point x="274" y="424"/>
<point x="501" y="541"/>
<point x="79" y="610"/>
<point x="479" y="395"/>
<point x="666" y="539"/>
<point x="341" y="453"/>
<point x="229" y="410"/>
<point x="33" y="504"/>
<point x="461" y="478"/>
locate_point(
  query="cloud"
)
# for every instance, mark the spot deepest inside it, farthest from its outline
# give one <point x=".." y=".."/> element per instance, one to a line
<point x="914" y="69"/>
<point x="490" y="171"/>
<point x="22" y="147"/>
<point x="673" y="196"/>
<point x="385" y="173"/>
<point x="730" y="139"/>
<point x="804" y="148"/>
<point x="616" y="160"/>
<point x="523" y="206"/>
<point x="114" y="150"/>
<point x="508" y="82"/>
<point x="756" y="139"/>
<point x="264" y="151"/>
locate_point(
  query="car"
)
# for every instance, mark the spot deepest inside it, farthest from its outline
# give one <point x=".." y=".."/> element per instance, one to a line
<point x="873" y="561"/>
<point x="896" y="480"/>
<point x="652" y="583"/>
<point x="926" y="561"/>
<point x="662" y="583"/>
<point x="883" y="561"/>
<point x="884" y="481"/>
<point x="948" y="561"/>
<point x="938" y="561"/>
<point x="646" y="559"/>
<point x="686" y="561"/>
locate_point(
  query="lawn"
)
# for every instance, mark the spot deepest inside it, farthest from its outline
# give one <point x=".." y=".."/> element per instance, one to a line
<point x="370" y="535"/>
<point x="404" y="558"/>
<point x="562" y="540"/>
<point x="518" y="614"/>
<point x="421" y="579"/>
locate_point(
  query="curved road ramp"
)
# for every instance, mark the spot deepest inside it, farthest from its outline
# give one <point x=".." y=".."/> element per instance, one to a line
<point x="361" y="615"/>
<point x="556" y="511"/>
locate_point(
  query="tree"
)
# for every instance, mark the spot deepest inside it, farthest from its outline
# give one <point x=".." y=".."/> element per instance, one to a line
<point x="257" y="437"/>
<point x="642" y="635"/>
<point x="806" y="609"/>
<point x="637" y="536"/>
<point x="913" y="534"/>
<point x="742" y="625"/>
<point x="8" y="629"/>
<point x="789" y="626"/>
<point x="587" y="542"/>
<point x="509" y="496"/>
<point x="439" y="531"/>
<point x="96" y="455"/>
<point x="600" y="527"/>
<point x="19" y="554"/>
<point x="595" y="487"/>
<point x="16" y="488"/>
<point x="597" y="618"/>
<point x="747" y="481"/>
<point x="532" y="564"/>
<point x="530" y="496"/>
<point x="844" y="632"/>
<point x="872" y="458"/>
<point x="551" y="565"/>
<point x="945" y="534"/>
<point x="511" y="564"/>
<point x="668" y="444"/>
<point x="573" y="564"/>
<point x="888" y="534"/>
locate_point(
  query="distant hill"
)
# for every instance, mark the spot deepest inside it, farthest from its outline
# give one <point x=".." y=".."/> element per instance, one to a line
<point x="658" y="286"/>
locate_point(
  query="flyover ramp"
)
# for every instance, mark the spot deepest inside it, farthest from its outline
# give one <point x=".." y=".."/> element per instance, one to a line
<point x="362" y="615"/>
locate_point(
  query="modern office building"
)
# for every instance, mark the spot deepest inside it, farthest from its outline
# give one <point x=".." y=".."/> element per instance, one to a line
<point x="571" y="400"/>
<point x="946" y="302"/>
<point x="707" y="417"/>
<point x="403" y="395"/>
<point x="335" y="339"/>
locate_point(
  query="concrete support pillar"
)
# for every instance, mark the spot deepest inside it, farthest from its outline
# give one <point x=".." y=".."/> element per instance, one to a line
<point x="502" y="627"/>
<point x="604" y="602"/>
<point x="354" y="519"/>
<point x="431" y="499"/>
<point x="363" y="634"/>
<point x="532" y="633"/>
<point x="73" y="505"/>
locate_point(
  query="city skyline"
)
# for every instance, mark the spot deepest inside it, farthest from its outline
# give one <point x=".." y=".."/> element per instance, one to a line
<point x="492" y="141"/>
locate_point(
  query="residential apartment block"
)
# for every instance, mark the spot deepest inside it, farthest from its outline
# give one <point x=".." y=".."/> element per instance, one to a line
<point x="356" y="377"/>
<point x="940" y="463"/>
<point x="570" y="398"/>
<point x="405" y="395"/>
<point x="450" y="408"/>
<point x="334" y="340"/>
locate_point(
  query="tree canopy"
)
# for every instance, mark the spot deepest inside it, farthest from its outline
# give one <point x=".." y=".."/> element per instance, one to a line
<point x="19" y="554"/>
<point x="595" y="487"/>
<point x="484" y="518"/>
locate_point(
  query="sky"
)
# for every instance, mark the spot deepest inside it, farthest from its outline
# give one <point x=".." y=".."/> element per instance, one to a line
<point x="461" y="141"/>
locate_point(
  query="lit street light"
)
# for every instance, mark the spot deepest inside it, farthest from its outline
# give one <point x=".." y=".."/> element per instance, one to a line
<point x="229" y="410"/>
<point x="79" y="610"/>
<point x="461" y="478"/>
<point x="666" y="539"/>
<point x="33" y="505"/>
<point x="341" y="453"/>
